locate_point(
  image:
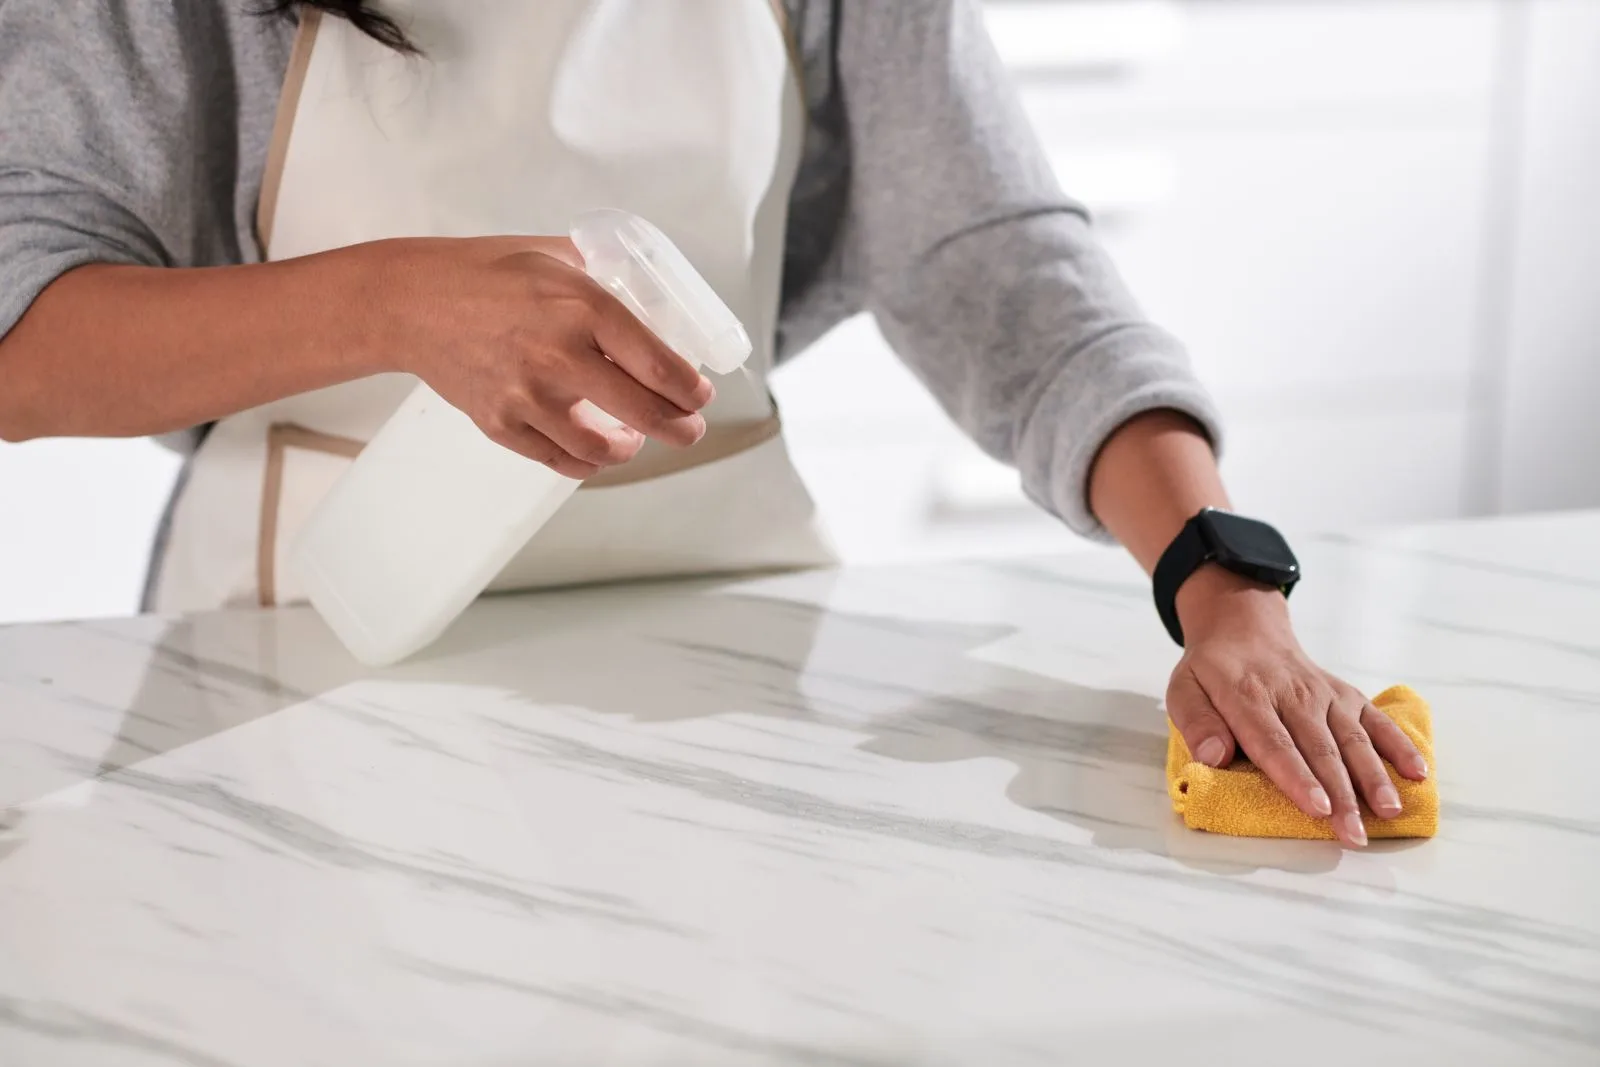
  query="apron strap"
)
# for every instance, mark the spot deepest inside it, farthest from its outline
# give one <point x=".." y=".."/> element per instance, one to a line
<point x="720" y="442"/>
<point x="294" y="80"/>
<point x="282" y="436"/>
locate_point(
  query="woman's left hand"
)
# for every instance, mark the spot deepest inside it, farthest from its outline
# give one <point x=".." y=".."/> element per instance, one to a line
<point x="1244" y="682"/>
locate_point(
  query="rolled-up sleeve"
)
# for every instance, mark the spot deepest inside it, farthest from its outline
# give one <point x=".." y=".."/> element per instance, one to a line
<point x="983" y="275"/>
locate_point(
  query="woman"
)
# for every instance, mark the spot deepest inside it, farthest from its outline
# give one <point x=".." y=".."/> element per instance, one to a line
<point x="263" y="226"/>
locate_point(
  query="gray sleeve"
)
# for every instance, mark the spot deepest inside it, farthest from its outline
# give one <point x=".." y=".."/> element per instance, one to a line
<point x="983" y="276"/>
<point x="118" y="139"/>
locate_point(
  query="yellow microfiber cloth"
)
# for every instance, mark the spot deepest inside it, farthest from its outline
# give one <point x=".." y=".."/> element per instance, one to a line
<point x="1241" y="800"/>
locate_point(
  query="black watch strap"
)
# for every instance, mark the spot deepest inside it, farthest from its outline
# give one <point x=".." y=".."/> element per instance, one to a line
<point x="1187" y="554"/>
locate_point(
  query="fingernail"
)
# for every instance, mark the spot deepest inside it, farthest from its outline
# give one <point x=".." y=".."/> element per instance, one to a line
<point x="1319" y="801"/>
<point x="1354" y="832"/>
<point x="1210" y="752"/>
<point x="1387" y="801"/>
<point x="1420" y="768"/>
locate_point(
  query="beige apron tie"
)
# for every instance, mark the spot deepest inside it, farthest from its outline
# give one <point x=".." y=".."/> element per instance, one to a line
<point x="282" y="436"/>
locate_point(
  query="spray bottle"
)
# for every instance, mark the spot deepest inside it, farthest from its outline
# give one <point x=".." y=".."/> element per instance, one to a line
<point x="432" y="510"/>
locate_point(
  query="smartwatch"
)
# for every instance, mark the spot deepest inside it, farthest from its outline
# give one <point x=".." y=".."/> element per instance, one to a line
<point x="1244" y="546"/>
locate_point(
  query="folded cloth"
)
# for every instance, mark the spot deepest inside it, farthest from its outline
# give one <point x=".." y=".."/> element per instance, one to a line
<point x="1241" y="800"/>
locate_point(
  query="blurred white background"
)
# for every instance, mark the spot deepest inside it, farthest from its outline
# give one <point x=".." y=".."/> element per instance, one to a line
<point x="1375" y="223"/>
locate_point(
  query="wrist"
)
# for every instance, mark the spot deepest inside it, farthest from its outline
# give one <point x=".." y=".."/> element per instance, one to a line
<point x="1215" y="598"/>
<point x="364" y="291"/>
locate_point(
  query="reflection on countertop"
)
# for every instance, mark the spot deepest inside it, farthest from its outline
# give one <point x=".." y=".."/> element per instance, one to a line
<point x="875" y="816"/>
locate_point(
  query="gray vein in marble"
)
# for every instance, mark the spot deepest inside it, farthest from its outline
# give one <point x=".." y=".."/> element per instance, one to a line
<point x="1220" y="966"/>
<point x="165" y="918"/>
<point x="406" y="737"/>
<point x="1111" y="590"/>
<point x="1563" y="1020"/>
<point x="144" y="732"/>
<point x="1455" y="809"/>
<point x="1365" y="998"/>
<point x="1383" y="548"/>
<point x="1569" y="647"/>
<point x="659" y="1017"/>
<point x="1554" y="694"/>
<point x="191" y="666"/>
<point x="762" y="757"/>
<point x="190" y="850"/>
<point x="777" y="841"/>
<point x="74" y="1027"/>
<point x="312" y="841"/>
<point x="988" y="721"/>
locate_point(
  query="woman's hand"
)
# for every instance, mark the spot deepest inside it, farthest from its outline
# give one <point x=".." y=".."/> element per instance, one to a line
<point x="1244" y="682"/>
<point x="515" y="334"/>
<point x="508" y="329"/>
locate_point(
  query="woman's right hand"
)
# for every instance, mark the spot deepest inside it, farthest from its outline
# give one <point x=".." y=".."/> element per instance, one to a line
<point x="512" y="331"/>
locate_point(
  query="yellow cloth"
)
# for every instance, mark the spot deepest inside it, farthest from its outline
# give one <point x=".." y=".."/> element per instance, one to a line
<point x="1241" y="800"/>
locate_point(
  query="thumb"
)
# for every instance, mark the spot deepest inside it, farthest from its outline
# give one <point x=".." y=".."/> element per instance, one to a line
<point x="1203" y="730"/>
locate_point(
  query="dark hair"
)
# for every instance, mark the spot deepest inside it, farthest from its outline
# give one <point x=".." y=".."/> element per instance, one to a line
<point x="374" y="24"/>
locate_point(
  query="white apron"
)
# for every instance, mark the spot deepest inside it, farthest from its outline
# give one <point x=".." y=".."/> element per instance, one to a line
<point x="521" y="115"/>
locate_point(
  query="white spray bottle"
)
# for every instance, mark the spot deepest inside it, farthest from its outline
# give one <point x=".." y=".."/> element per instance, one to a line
<point x="432" y="510"/>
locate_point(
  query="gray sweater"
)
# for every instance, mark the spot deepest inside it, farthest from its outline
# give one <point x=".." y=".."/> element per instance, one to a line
<point x="134" y="131"/>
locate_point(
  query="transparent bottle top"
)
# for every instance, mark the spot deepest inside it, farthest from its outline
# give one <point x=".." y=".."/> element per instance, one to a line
<point x="639" y="265"/>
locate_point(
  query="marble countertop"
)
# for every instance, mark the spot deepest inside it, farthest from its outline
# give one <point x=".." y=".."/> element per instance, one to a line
<point x="879" y="816"/>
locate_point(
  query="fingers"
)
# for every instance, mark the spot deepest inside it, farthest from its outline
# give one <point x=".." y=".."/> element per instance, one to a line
<point x="586" y="381"/>
<point x="616" y="392"/>
<point x="527" y="441"/>
<point x="1202" y="727"/>
<point x="631" y="345"/>
<point x="1321" y="742"/>
<point x="586" y="345"/>
<point x="578" y="427"/>
<point x="1356" y="749"/>
<point x="1250" y="713"/>
<point x="1393" y="744"/>
<point x="1307" y="720"/>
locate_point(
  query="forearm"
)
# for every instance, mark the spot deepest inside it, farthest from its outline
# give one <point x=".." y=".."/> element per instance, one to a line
<point x="1152" y="476"/>
<point x="123" y="351"/>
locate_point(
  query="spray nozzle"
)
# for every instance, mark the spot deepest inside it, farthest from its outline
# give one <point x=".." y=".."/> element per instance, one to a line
<point x="638" y="264"/>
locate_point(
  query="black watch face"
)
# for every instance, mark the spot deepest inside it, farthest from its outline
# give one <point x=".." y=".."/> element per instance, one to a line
<point x="1241" y="543"/>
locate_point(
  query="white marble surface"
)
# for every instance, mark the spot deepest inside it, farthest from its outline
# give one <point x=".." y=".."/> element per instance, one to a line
<point x="896" y="816"/>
